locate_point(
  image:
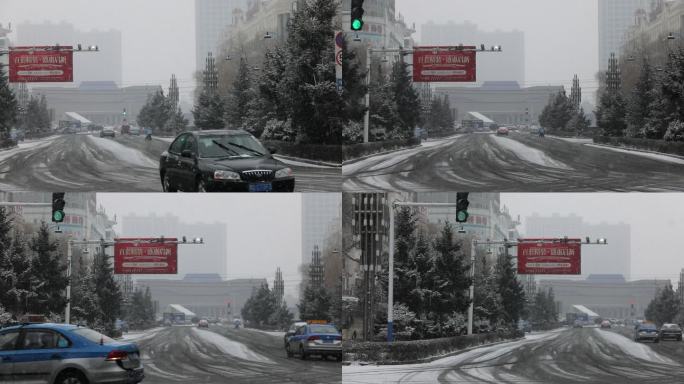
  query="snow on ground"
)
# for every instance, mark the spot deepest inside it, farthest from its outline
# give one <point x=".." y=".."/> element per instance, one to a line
<point x="272" y="333"/>
<point x="165" y="139"/>
<point x="124" y="153"/>
<point x="27" y="146"/>
<point x="637" y="350"/>
<point x="140" y="335"/>
<point x="651" y="155"/>
<point x="389" y="159"/>
<point x="578" y="140"/>
<point x="231" y="347"/>
<point x="301" y="163"/>
<point x="430" y="372"/>
<point x="528" y="154"/>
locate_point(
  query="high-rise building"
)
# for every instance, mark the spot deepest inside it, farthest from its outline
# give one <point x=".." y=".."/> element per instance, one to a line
<point x="614" y="19"/>
<point x="105" y="65"/>
<point x="613" y="258"/>
<point x="320" y="212"/>
<point x="509" y="65"/>
<point x="210" y="257"/>
<point x="212" y="17"/>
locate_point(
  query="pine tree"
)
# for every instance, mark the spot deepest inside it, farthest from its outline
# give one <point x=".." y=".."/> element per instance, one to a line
<point x="640" y="101"/>
<point x="510" y="290"/>
<point x="156" y="113"/>
<point x="611" y="113"/>
<point x="240" y="97"/>
<point x="107" y="291"/>
<point x="664" y="307"/>
<point x="209" y="112"/>
<point x="451" y="278"/>
<point x="282" y="317"/>
<point x="557" y="113"/>
<point x="7" y="275"/>
<point x="488" y="302"/>
<point x="177" y="123"/>
<point x="578" y="124"/>
<point x="315" y="304"/>
<point x="406" y="100"/>
<point x="404" y="240"/>
<point x="84" y="306"/>
<point x="50" y="271"/>
<point x="21" y="292"/>
<point x="418" y="278"/>
<point x="8" y="105"/>
<point x="267" y="109"/>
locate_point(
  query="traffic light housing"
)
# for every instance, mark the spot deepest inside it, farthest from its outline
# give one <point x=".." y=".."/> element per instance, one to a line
<point x="58" y="204"/>
<point x="357" y="15"/>
<point x="462" y="205"/>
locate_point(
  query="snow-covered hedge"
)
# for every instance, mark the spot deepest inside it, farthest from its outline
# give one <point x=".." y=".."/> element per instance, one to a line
<point x="318" y="152"/>
<point x="354" y="151"/>
<point x="671" y="147"/>
<point x="419" y="350"/>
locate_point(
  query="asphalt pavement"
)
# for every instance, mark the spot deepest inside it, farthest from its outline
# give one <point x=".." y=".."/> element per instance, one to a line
<point x="221" y="354"/>
<point x="585" y="355"/>
<point x="83" y="162"/>
<point x="517" y="163"/>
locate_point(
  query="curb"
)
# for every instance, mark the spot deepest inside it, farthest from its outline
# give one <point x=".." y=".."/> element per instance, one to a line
<point x="309" y="161"/>
<point x="638" y="150"/>
<point x="433" y="358"/>
<point x="352" y="161"/>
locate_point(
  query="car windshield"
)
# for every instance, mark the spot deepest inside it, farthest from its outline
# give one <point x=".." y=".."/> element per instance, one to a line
<point x="671" y="326"/>
<point x="323" y="329"/>
<point x="231" y="146"/>
<point x="94" y="336"/>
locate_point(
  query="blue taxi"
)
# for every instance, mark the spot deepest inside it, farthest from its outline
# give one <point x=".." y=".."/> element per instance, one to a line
<point x="65" y="354"/>
<point x="315" y="338"/>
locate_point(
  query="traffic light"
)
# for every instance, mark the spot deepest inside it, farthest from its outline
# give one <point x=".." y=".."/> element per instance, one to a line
<point x="357" y="15"/>
<point x="58" y="204"/>
<point x="462" y="205"/>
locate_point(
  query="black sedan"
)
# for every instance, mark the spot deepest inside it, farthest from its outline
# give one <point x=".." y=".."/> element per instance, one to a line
<point x="671" y="331"/>
<point x="646" y="331"/>
<point x="222" y="161"/>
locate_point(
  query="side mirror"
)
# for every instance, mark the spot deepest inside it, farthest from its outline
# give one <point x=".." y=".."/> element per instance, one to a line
<point x="273" y="150"/>
<point x="187" y="153"/>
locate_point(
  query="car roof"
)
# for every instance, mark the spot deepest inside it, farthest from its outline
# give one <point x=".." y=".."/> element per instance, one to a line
<point x="55" y="326"/>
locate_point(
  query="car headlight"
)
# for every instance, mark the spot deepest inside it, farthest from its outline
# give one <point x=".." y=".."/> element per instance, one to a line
<point x="226" y="175"/>
<point x="285" y="172"/>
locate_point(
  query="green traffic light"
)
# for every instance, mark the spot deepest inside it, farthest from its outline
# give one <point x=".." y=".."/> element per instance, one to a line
<point x="357" y="24"/>
<point x="462" y="216"/>
<point x="58" y="216"/>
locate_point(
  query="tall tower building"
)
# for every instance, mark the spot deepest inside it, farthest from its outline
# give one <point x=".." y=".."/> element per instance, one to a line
<point x="316" y="269"/>
<point x="614" y="19"/>
<point x="212" y="17"/>
<point x="279" y="286"/>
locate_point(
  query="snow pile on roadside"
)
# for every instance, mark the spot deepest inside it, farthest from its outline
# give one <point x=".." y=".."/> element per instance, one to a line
<point x="529" y="154"/>
<point x="123" y="153"/>
<point x="140" y="335"/>
<point x="650" y="155"/>
<point x="231" y="347"/>
<point x="26" y="146"/>
<point x="637" y="350"/>
<point x="272" y="333"/>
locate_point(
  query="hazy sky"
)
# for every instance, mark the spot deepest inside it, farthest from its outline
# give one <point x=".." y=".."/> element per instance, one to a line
<point x="263" y="231"/>
<point x="561" y="36"/>
<point x="656" y="220"/>
<point x="159" y="35"/>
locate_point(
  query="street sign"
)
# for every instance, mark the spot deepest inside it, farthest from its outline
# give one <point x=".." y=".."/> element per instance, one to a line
<point x="550" y="257"/>
<point x="41" y="65"/>
<point x="339" y="42"/>
<point x="146" y="256"/>
<point x="444" y="64"/>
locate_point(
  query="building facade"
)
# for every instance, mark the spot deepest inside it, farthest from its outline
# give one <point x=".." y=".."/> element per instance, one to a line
<point x="320" y="214"/>
<point x="105" y="65"/>
<point x="509" y="65"/>
<point x="649" y="34"/>
<point x="614" y="19"/>
<point x="212" y="17"/>
<point x="502" y="101"/>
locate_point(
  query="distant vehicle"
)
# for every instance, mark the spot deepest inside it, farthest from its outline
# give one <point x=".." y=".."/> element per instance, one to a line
<point x="222" y="161"/>
<point x="67" y="354"/>
<point x="606" y="324"/>
<point x="646" y="331"/>
<point x="315" y="339"/>
<point x="292" y="330"/>
<point x="107" y="132"/>
<point x="578" y="324"/>
<point x="203" y="323"/>
<point x="671" y="331"/>
<point x="135" y="131"/>
<point x="503" y="131"/>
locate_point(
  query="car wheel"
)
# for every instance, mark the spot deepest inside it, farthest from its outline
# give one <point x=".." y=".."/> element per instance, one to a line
<point x="201" y="186"/>
<point x="166" y="184"/>
<point x="71" y="377"/>
<point x="302" y="354"/>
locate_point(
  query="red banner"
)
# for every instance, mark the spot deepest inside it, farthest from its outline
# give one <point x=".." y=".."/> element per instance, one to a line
<point x="41" y="65"/>
<point x="550" y="257"/>
<point x="444" y="64"/>
<point x="146" y="256"/>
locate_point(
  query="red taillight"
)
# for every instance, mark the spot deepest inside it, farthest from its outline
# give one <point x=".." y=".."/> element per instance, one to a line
<point x="312" y="338"/>
<point x="116" y="355"/>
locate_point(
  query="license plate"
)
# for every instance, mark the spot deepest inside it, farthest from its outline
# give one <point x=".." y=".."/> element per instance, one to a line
<point x="260" y="187"/>
<point x="327" y="341"/>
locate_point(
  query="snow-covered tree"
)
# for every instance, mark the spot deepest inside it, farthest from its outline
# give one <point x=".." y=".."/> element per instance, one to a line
<point x="209" y="112"/>
<point x="406" y="99"/>
<point x="675" y="131"/>
<point x="84" y="307"/>
<point x="451" y="275"/>
<point x="177" y="122"/>
<point x="611" y="113"/>
<point x="578" y="123"/>
<point x="487" y="301"/>
<point x="664" y="307"/>
<point x="557" y="113"/>
<point x="640" y="101"/>
<point x="8" y="105"/>
<point x="510" y="290"/>
<point x="315" y="304"/>
<point x="107" y="291"/>
<point x="156" y="113"/>
<point x="50" y="271"/>
<point x="241" y="94"/>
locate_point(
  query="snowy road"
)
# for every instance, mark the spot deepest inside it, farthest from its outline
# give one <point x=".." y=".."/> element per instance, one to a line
<point x="521" y="163"/>
<point x="124" y="164"/>
<point x="225" y="355"/>
<point x="587" y="355"/>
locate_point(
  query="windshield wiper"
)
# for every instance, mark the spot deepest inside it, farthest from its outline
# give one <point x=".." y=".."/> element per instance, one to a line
<point x="226" y="148"/>
<point x="247" y="149"/>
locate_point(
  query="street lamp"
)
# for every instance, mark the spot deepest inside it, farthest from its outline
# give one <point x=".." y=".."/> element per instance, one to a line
<point x="268" y="35"/>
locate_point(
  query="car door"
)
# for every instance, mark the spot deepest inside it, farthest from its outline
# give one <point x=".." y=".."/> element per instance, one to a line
<point x="186" y="169"/>
<point x="8" y="341"/>
<point x="172" y="160"/>
<point x="37" y="356"/>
